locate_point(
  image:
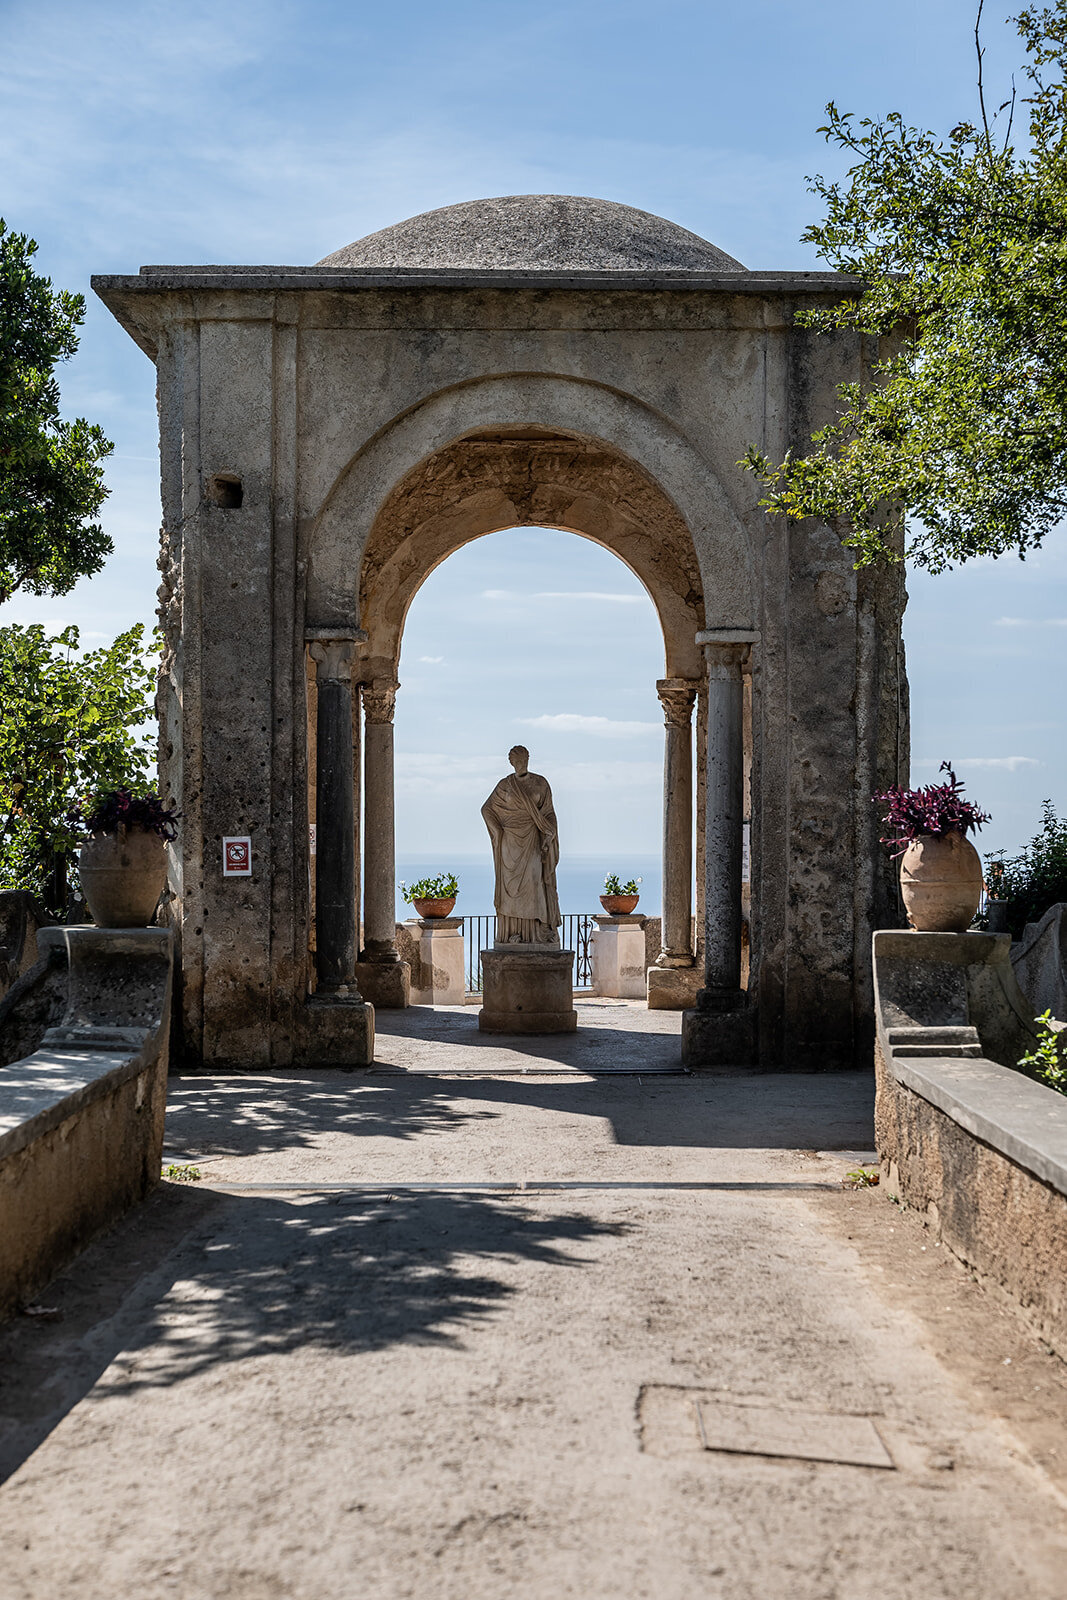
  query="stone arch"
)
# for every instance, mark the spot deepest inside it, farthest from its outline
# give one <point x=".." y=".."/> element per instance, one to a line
<point x="529" y="449"/>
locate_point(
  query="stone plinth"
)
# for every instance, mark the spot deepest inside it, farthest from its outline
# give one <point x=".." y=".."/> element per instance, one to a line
<point x="527" y="988"/>
<point x="386" y="984"/>
<point x="338" y="1031"/>
<point x="674" y="988"/>
<point x="715" y="1034"/>
<point x="619" y="957"/>
<point x="439" y="970"/>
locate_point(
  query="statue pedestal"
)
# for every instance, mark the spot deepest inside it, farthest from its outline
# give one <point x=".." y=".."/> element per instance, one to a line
<point x="527" y="988"/>
<point x="619" y="957"/>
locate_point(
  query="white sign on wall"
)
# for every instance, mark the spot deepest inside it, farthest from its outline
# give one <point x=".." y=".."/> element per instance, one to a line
<point x="237" y="856"/>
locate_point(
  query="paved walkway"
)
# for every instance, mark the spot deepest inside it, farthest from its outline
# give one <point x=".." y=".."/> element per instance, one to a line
<point x="538" y="1334"/>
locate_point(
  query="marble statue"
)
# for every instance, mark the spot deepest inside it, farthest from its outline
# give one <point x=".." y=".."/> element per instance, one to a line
<point x="522" y="826"/>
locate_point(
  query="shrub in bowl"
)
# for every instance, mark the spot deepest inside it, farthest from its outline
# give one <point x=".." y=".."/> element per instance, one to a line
<point x="432" y="897"/>
<point x="619" y="899"/>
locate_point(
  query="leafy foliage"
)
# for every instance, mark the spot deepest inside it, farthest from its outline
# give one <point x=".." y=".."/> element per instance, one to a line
<point x="939" y="808"/>
<point x="443" y="887"/>
<point x="613" y="886"/>
<point x="961" y="243"/>
<point x="70" y="727"/>
<point x="118" y="808"/>
<point x="1036" y="878"/>
<point x="1048" y="1062"/>
<point x="51" y="480"/>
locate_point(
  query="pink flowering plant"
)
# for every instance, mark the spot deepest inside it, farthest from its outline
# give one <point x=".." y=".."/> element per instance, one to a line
<point x="937" y="809"/>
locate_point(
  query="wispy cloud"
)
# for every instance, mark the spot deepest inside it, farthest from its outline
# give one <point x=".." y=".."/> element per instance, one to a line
<point x="599" y="727"/>
<point x="1031" y="622"/>
<point x="1004" y="763"/>
<point x="432" y="661"/>
<point x="609" y="597"/>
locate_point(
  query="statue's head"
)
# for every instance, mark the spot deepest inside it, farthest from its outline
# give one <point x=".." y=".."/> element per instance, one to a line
<point x="519" y="757"/>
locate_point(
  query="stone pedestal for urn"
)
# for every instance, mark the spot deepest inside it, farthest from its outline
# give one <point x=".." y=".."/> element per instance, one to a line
<point x="619" y="957"/>
<point x="527" y="988"/>
<point x="439" y="968"/>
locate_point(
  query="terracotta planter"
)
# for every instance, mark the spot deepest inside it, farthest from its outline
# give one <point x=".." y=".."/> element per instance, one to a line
<point x="941" y="881"/>
<point x="619" y="905"/>
<point x="434" y="908"/>
<point x="122" y="877"/>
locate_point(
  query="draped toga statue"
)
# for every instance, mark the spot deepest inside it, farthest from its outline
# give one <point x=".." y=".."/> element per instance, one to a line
<point x="522" y="826"/>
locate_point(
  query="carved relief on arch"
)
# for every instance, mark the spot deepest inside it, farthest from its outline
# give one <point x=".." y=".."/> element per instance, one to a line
<point x="484" y="482"/>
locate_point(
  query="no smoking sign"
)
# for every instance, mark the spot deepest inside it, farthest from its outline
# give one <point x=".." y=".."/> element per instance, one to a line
<point x="237" y="857"/>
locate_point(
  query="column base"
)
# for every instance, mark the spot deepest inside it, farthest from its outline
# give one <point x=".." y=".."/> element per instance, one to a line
<point x="673" y="988"/>
<point x="716" y="1035"/>
<point x="386" y="984"/>
<point x="338" y="1031"/>
<point x="527" y="989"/>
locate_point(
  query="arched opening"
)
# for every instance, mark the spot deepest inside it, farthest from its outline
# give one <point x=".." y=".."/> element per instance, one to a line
<point x="481" y="482"/>
<point x="537" y="637"/>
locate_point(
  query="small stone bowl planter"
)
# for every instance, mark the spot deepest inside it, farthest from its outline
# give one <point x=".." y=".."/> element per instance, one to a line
<point x="435" y="908"/>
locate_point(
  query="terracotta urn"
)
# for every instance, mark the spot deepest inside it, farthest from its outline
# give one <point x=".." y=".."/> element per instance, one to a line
<point x="122" y="877"/>
<point x="941" y="882"/>
<point x="619" y="905"/>
<point x="435" y="908"/>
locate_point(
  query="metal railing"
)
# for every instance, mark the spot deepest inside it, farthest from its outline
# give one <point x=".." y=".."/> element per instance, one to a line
<point x="479" y="933"/>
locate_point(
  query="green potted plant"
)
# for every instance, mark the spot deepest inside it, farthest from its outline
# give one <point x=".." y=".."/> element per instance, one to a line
<point x="1025" y="886"/>
<point x="940" y="870"/>
<point x="619" y="899"/>
<point x="123" y="862"/>
<point x="432" y="897"/>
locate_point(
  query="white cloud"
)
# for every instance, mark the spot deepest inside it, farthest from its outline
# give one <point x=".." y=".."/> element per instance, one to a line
<point x="599" y="727"/>
<point x="1031" y="622"/>
<point x="596" y="595"/>
<point x="1004" y="763"/>
<point x="432" y="661"/>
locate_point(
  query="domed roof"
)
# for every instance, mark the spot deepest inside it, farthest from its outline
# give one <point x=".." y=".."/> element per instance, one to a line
<point x="531" y="232"/>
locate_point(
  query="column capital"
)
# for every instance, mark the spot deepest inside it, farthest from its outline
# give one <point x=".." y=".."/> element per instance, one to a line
<point x="379" y="699"/>
<point x="726" y="649"/>
<point x="334" y="657"/>
<point x="676" y="697"/>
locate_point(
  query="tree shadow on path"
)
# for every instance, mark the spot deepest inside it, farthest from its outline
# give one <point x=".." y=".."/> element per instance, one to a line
<point x="193" y="1283"/>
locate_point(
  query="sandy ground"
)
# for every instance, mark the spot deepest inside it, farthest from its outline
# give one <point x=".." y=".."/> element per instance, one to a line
<point x="360" y="1359"/>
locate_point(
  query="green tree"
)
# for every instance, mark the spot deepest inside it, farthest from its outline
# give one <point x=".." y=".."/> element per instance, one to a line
<point x="71" y="725"/>
<point x="961" y="243"/>
<point x="51" y="480"/>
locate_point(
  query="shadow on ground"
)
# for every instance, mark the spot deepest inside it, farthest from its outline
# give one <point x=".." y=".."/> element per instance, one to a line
<point x="243" y="1116"/>
<point x="195" y="1282"/>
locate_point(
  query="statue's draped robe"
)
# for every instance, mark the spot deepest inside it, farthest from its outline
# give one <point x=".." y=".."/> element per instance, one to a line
<point x="522" y="826"/>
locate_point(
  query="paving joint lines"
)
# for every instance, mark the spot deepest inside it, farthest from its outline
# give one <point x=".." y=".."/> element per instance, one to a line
<point x="529" y="1186"/>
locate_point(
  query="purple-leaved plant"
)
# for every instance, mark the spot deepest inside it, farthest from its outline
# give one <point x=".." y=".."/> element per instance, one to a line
<point x="939" y="808"/>
<point x="118" y="808"/>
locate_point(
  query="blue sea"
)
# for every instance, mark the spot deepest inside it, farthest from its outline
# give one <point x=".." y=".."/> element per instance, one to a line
<point x="579" y="879"/>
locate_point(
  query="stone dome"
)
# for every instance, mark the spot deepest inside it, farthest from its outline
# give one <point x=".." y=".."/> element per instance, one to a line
<point x="536" y="232"/>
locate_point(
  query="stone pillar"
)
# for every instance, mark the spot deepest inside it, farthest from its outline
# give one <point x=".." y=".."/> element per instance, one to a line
<point x="352" y="1039"/>
<point x="383" y="977"/>
<point x="619" y="957"/>
<point x="440" y="974"/>
<point x="335" y="857"/>
<point x="672" y="983"/>
<point x="720" y="1030"/>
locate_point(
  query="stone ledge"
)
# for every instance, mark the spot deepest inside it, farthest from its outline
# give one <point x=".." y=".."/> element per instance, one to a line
<point x="1021" y="1119"/>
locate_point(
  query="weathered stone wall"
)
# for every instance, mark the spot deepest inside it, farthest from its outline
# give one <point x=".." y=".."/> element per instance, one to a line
<point x="1000" y="1219"/>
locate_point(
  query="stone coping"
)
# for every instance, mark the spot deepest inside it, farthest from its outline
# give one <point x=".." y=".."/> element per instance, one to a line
<point x="153" y="279"/>
<point x="1024" y="1120"/>
<point x="43" y="1090"/>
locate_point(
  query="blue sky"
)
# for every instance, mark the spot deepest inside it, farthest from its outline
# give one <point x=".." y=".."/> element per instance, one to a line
<point x="275" y="132"/>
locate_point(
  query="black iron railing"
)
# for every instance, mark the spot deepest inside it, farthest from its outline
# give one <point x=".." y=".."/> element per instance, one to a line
<point x="479" y="933"/>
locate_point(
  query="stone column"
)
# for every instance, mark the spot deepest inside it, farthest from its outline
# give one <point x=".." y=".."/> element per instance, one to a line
<point x="383" y="977"/>
<point x="720" y="1031"/>
<point x="335" y="857"/>
<point x="677" y="696"/>
<point x="379" y="848"/>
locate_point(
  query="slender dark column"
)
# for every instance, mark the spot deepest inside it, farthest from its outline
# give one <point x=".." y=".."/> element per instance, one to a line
<point x="677" y="696"/>
<point x="723" y="823"/>
<point x="335" y="859"/>
<point x="379" y="847"/>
